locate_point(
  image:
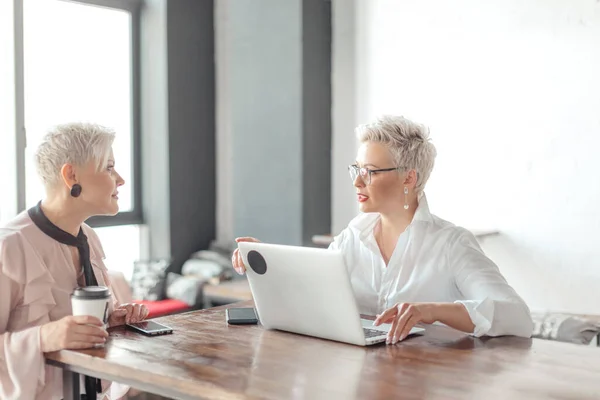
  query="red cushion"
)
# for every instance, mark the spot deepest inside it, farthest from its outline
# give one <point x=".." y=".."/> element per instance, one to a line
<point x="163" y="307"/>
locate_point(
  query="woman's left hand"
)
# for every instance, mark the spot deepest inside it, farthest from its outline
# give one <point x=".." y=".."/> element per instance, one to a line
<point x="129" y="313"/>
<point x="403" y="317"/>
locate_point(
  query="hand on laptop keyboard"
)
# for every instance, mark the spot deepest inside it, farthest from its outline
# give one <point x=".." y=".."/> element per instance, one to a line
<point x="403" y="317"/>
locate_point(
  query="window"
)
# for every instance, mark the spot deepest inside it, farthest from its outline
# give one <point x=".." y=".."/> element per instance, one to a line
<point x="74" y="60"/>
<point x="122" y="246"/>
<point x="78" y="66"/>
<point x="7" y="113"/>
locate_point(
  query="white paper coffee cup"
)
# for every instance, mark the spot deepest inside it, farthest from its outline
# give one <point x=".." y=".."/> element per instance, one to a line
<point x="91" y="300"/>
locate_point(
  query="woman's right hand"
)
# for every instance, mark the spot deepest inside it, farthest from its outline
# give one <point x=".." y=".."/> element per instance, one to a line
<point x="72" y="332"/>
<point x="236" y="259"/>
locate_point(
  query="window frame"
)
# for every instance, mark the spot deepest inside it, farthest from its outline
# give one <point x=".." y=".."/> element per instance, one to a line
<point x="133" y="7"/>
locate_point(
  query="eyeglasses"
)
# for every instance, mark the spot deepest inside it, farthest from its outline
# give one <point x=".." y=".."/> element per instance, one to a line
<point x="365" y="173"/>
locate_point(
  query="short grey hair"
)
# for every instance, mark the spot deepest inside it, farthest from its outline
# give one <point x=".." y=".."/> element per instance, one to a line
<point x="73" y="143"/>
<point x="408" y="142"/>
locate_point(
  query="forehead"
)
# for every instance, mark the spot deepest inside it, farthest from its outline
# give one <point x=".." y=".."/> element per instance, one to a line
<point x="373" y="153"/>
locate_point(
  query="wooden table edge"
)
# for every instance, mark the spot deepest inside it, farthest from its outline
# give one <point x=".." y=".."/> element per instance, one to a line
<point x="145" y="386"/>
<point x="208" y="391"/>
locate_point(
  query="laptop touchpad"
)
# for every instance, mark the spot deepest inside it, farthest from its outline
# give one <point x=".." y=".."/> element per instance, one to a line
<point x="367" y="323"/>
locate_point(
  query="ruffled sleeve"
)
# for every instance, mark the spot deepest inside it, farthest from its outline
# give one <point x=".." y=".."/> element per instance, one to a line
<point x="25" y="302"/>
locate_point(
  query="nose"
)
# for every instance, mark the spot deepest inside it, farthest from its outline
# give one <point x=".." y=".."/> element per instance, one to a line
<point x="358" y="181"/>
<point x="120" y="181"/>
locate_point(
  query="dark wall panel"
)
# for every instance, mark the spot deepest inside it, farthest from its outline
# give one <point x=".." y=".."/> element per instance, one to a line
<point x="316" y="118"/>
<point x="191" y="77"/>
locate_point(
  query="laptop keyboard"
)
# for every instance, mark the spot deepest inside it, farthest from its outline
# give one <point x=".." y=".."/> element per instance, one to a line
<point x="369" y="333"/>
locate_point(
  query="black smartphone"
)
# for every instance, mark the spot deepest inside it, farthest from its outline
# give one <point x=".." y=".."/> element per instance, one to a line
<point x="241" y="316"/>
<point x="150" y="328"/>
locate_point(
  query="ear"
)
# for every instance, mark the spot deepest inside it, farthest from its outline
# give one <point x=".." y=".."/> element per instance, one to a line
<point x="411" y="179"/>
<point x="68" y="175"/>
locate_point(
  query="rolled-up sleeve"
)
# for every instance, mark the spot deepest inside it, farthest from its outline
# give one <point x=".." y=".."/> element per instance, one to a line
<point x="494" y="306"/>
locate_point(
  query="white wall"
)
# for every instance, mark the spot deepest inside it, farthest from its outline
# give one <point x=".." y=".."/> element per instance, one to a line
<point x="511" y="91"/>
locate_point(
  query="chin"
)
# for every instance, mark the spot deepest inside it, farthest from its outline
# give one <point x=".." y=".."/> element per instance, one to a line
<point x="111" y="210"/>
<point x="114" y="210"/>
<point x="366" y="208"/>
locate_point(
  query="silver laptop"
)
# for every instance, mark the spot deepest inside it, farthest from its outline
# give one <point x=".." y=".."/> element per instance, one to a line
<point x="307" y="291"/>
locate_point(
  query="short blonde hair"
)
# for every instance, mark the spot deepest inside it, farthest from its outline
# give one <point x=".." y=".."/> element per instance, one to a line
<point x="407" y="141"/>
<point x="73" y="143"/>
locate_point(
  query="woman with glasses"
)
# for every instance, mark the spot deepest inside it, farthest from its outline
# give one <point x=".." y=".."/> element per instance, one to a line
<point x="407" y="265"/>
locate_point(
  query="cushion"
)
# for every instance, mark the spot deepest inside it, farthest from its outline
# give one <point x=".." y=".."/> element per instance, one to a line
<point x="213" y="264"/>
<point x="187" y="289"/>
<point x="164" y="307"/>
<point x="201" y="268"/>
<point x="570" y="328"/>
<point x="149" y="279"/>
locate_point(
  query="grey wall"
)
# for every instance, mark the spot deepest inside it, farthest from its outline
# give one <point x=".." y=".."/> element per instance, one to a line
<point x="155" y="129"/>
<point x="274" y="97"/>
<point x="265" y="64"/>
<point x="178" y="127"/>
<point x="274" y="125"/>
<point x="344" y="111"/>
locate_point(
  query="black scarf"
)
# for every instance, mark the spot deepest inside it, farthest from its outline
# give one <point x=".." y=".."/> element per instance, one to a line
<point x="92" y="385"/>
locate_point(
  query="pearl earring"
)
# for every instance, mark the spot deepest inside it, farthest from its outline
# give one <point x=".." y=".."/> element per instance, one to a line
<point x="406" y="198"/>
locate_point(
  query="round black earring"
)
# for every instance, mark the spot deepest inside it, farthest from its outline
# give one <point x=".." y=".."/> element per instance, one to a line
<point x="76" y="190"/>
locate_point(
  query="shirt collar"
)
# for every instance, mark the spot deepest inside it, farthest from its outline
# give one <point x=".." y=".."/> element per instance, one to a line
<point x="365" y="222"/>
<point x="422" y="213"/>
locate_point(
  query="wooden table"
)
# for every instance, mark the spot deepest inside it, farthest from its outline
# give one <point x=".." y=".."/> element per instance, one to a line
<point x="207" y="359"/>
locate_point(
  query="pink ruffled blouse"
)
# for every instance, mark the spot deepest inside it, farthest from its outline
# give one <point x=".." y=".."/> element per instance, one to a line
<point x="37" y="277"/>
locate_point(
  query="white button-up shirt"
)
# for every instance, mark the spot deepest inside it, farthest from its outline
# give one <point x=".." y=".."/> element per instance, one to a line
<point x="434" y="261"/>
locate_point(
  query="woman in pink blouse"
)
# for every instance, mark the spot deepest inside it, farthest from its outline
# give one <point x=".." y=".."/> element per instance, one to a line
<point x="48" y="251"/>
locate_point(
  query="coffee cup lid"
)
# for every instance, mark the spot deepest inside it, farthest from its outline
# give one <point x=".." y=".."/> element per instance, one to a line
<point x="91" y="292"/>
